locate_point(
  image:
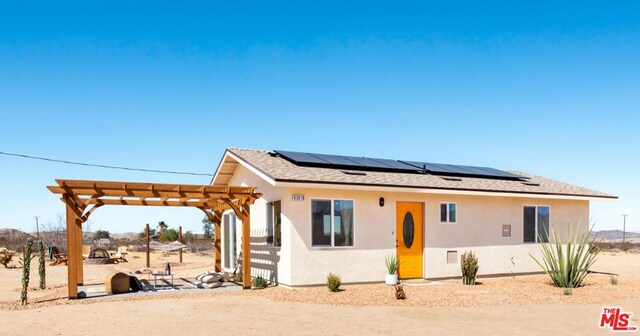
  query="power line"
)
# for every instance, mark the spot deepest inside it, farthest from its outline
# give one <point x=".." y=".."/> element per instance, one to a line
<point x="102" y="166"/>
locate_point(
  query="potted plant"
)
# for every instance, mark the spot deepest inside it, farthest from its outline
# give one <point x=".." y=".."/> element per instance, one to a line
<point x="392" y="269"/>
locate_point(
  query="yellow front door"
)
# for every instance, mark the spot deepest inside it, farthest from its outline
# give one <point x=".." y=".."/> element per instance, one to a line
<point x="409" y="239"/>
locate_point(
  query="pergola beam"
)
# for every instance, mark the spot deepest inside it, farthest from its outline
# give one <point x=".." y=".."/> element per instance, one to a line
<point x="78" y="195"/>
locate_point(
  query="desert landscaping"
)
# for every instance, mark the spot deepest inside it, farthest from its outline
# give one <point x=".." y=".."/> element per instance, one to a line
<point x="446" y="307"/>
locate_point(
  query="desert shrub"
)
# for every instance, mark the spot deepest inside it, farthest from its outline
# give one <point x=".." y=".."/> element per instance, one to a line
<point x="392" y="263"/>
<point x="613" y="280"/>
<point x="259" y="282"/>
<point x="469" y="266"/>
<point x="567" y="291"/>
<point x="238" y="276"/>
<point x="567" y="265"/>
<point x="333" y="282"/>
<point x="5" y="256"/>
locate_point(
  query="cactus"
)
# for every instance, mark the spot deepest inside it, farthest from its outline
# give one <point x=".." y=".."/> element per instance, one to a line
<point x="41" y="269"/>
<point x="469" y="266"/>
<point x="5" y="256"/>
<point x="26" y="268"/>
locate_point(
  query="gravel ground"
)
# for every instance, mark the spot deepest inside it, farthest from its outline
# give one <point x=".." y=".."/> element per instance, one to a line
<point x="451" y="293"/>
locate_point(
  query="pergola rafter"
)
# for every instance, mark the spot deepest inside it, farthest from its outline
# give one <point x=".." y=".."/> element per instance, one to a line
<point x="82" y="198"/>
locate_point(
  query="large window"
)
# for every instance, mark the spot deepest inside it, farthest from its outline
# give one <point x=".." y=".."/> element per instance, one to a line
<point x="448" y="212"/>
<point x="536" y="224"/>
<point x="331" y="223"/>
<point x="273" y="224"/>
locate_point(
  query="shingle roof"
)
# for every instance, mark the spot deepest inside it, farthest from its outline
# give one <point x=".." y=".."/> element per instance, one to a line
<point x="282" y="170"/>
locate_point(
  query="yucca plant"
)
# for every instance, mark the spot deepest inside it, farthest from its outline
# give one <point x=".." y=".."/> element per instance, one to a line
<point x="469" y="266"/>
<point x="392" y="263"/>
<point x="567" y="264"/>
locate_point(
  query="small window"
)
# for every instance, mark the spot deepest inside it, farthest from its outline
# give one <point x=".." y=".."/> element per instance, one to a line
<point x="448" y="212"/>
<point x="273" y="224"/>
<point x="332" y="223"/>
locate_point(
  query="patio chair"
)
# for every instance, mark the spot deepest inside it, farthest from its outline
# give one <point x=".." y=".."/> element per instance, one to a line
<point x="120" y="254"/>
<point x="58" y="257"/>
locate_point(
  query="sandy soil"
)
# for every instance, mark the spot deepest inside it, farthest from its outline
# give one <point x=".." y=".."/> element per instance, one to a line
<point x="522" y="305"/>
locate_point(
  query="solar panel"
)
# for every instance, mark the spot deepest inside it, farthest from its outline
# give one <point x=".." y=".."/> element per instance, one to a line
<point x="350" y="162"/>
<point x="458" y="170"/>
<point x="301" y="158"/>
<point x="337" y="160"/>
<point x="371" y="164"/>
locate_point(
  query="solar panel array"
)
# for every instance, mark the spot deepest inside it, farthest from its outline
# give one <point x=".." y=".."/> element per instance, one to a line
<point x="386" y="165"/>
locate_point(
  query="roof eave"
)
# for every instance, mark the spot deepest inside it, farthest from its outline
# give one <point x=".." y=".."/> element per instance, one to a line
<point x="437" y="190"/>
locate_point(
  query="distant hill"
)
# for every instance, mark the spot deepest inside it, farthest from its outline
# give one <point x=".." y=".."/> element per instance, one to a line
<point x="11" y="234"/>
<point x="615" y="235"/>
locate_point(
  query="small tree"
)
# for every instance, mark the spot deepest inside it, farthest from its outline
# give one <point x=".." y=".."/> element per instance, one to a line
<point x="169" y="235"/>
<point x="208" y="228"/>
<point x="101" y="234"/>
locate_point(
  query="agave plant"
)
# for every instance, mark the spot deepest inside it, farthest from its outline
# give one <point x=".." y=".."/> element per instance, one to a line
<point x="392" y="263"/>
<point x="567" y="263"/>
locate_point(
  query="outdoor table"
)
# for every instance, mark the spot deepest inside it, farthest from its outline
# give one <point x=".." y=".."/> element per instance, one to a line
<point x="160" y="275"/>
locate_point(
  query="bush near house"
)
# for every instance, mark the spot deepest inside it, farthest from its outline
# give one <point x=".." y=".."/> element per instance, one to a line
<point x="259" y="282"/>
<point x="333" y="282"/>
<point x="469" y="267"/>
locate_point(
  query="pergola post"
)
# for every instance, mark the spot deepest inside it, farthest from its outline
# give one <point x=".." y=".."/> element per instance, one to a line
<point x="72" y="256"/>
<point x="246" y="247"/>
<point x="146" y="228"/>
<point x="180" y="240"/>
<point x="80" y="258"/>
<point x="217" y="239"/>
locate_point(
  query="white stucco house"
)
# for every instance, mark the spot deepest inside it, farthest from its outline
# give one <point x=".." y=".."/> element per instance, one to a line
<point x="329" y="213"/>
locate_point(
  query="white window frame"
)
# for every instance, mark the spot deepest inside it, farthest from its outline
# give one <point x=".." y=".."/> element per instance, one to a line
<point x="535" y="223"/>
<point x="332" y="246"/>
<point x="448" y="219"/>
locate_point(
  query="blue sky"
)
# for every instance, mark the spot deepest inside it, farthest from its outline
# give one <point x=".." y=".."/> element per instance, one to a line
<point x="545" y="88"/>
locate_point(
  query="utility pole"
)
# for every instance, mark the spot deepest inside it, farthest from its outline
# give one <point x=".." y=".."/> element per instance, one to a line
<point x="624" y="227"/>
<point x="37" y="227"/>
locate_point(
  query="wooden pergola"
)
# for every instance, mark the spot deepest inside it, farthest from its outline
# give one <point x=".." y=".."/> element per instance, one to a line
<point x="82" y="198"/>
